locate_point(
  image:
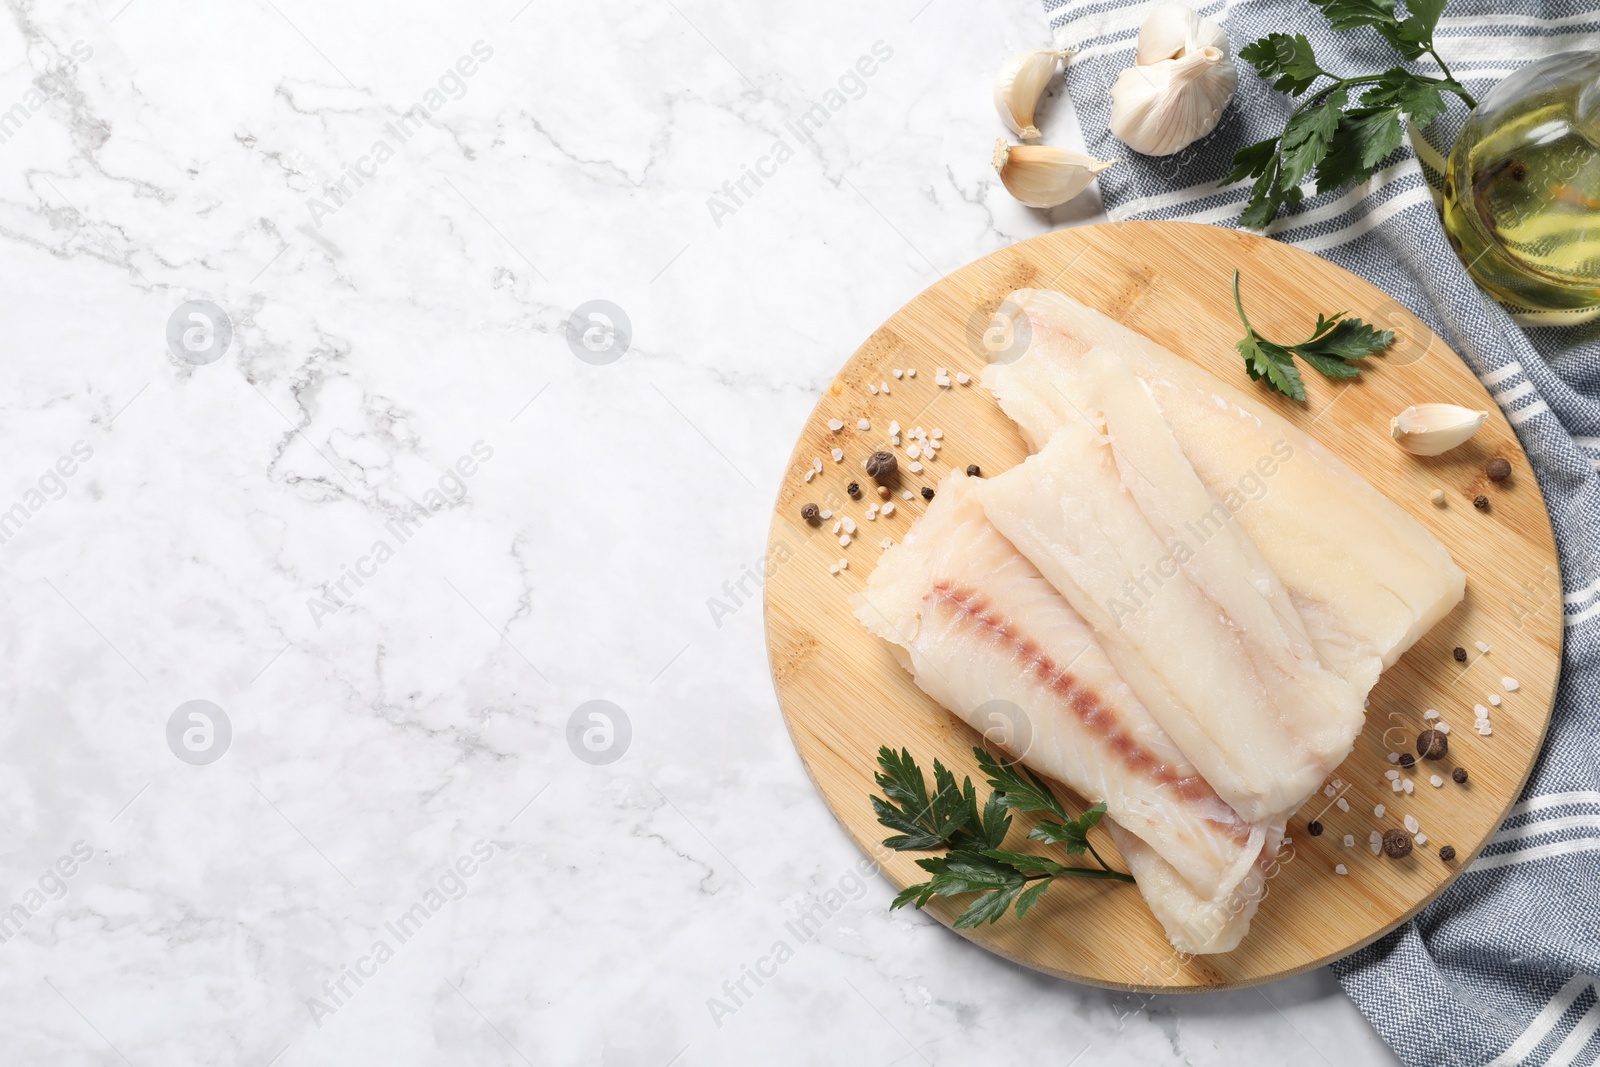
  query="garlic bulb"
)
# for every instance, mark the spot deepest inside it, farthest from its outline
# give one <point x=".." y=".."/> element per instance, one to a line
<point x="1020" y="83"/>
<point x="1043" y="175"/>
<point x="1178" y="92"/>
<point x="1174" y="30"/>
<point x="1429" y="429"/>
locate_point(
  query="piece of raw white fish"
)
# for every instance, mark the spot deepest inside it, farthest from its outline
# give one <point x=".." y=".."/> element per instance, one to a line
<point x="1367" y="579"/>
<point x="1195" y="638"/>
<point x="1195" y="923"/>
<point x="985" y="635"/>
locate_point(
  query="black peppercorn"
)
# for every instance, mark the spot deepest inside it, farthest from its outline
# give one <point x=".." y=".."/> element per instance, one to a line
<point x="1396" y="844"/>
<point x="1459" y="775"/>
<point x="882" y="466"/>
<point x="927" y="494"/>
<point x="810" y="513"/>
<point x="973" y="471"/>
<point x="1447" y="853"/>
<point x="1314" y="828"/>
<point x="1519" y="171"/>
<point x="1481" y="502"/>
<point x="1431" y="744"/>
<point x="1407" y="760"/>
<point x="1498" y="470"/>
<point x="1460" y="654"/>
<point x="854" y="489"/>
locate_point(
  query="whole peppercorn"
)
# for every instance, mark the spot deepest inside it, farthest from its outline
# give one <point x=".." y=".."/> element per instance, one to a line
<point x="927" y="494"/>
<point x="1498" y="470"/>
<point x="1481" y="502"/>
<point x="1407" y="760"/>
<point x="1314" y="828"/>
<point x="1396" y="844"/>
<point x="1460" y="654"/>
<point x="973" y="471"/>
<point x="1447" y="853"/>
<point x="854" y="489"/>
<point x="1459" y="776"/>
<point x="882" y="466"/>
<point x="811" y="514"/>
<point x="1431" y="744"/>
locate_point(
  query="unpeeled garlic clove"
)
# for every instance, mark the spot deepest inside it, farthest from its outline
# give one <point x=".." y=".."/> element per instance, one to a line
<point x="1020" y="83"/>
<point x="1043" y="175"/>
<point x="1431" y="429"/>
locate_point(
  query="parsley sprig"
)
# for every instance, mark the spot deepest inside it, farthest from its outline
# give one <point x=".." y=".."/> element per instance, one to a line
<point x="1333" y="348"/>
<point x="949" y="818"/>
<point x="1325" y="133"/>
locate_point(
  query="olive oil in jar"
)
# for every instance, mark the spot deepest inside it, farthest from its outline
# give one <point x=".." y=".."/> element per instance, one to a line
<point x="1522" y="189"/>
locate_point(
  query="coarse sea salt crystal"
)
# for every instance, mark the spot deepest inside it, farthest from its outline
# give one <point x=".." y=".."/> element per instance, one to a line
<point x="884" y="386"/>
<point x="887" y="509"/>
<point x="1486" y="731"/>
<point x="1436" y="781"/>
<point x="886" y="542"/>
<point x="863" y="424"/>
<point x="1411" y="787"/>
<point x="914" y="467"/>
<point x="894" y="427"/>
<point x="911" y="372"/>
<point x="905" y="494"/>
<point x="1391" y="775"/>
<point x="1343" y="804"/>
<point x="1379" y="810"/>
<point x="1481" y="710"/>
<point x="1494" y="699"/>
<point x="1396" y="786"/>
<point x="1375" y="842"/>
<point x="1430" y="714"/>
<point x="816" y="465"/>
<point x="1349" y="840"/>
<point x="1510" y="685"/>
<point x="844" y="539"/>
<point x="1481" y="646"/>
<point x="838" y="525"/>
<point x="826" y="515"/>
<point x="1422" y="839"/>
<point x="1338" y="783"/>
<point x="1394" y="757"/>
<point x="898" y="372"/>
<point x="838" y="455"/>
<point x="872" y="389"/>
<point x="1340" y="868"/>
<point x="912" y="451"/>
<point x="849" y="525"/>
<point x="835" y="425"/>
<point x="1443" y="727"/>
<point x="937" y="433"/>
<point x="810" y="474"/>
<point x="963" y="377"/>
<point x="1412" y="824"/>
<point x="1328" y="790"/>
<point x="844" y="564"/>
<point x="833" y="569"/>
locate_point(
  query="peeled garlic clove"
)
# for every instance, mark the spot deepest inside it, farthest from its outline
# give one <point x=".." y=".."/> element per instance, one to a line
<point x="1020" y="83"/>
<point x="1164" y="107"/>
<point x="1174" y="30"/>
<point x="1043" y="175"/>
<point x="1430" y="429"/>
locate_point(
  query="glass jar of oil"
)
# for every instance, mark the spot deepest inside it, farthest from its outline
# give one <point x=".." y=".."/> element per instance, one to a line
<point x="1522" y="189"/>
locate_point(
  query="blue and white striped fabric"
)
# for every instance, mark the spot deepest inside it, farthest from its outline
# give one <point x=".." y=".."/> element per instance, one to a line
<point x="1505" y="967"/>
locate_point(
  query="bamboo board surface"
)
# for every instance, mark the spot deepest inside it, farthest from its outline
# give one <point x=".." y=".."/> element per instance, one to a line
<point x="843" y="694"/>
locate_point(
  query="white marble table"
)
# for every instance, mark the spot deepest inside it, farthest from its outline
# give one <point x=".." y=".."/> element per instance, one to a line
<point x="395" y="533"/>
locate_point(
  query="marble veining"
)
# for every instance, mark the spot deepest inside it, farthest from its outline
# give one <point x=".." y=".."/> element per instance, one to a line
<point x="398" y="534"/>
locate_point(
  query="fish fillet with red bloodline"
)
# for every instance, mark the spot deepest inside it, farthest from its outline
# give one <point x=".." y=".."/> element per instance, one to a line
<point x="975" y="622"/>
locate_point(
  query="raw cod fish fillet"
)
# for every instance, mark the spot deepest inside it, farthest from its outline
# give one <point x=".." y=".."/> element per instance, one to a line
<point x="1367" y="579"/>
<point x="1194" y="923"/>
<point x="1116" y="519"/>
<point x="974" y="622"/>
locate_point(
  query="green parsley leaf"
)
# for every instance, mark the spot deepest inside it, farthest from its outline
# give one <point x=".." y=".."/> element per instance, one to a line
<point x="1252" y="160"/>
<point x="1365" y="137"/>
<point x="1019" y="793"/>
<point x="1307" y="137"/>
<point x="1348" y="14"/>
<point x="1332" y="350"/>
<point x="1290" y="60"/>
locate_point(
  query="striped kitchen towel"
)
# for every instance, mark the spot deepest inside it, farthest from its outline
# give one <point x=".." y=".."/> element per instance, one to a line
<point x="1505" y="967"/>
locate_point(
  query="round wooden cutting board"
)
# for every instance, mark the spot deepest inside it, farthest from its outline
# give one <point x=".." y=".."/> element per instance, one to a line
<point x="843" y="694"/>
